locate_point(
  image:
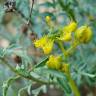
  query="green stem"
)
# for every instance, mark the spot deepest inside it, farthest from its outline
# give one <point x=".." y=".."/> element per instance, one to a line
<point x="62" y="48"/>
<point x="71" y="81"/>
<point x="26" y="77"/>
<point x="73" y="86"/>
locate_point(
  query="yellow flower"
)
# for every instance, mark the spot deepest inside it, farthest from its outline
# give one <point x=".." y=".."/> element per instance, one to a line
<point x="45" y="43"/>
<point x="54" y="62"/>
<point x="71" y="27"/>
<point x="83" y="34"/>
<point x="40" y="42"/>
<point x="48" y="46"/>
<point x="66" y="32"/>
<point x="66" y="36"/>
<point x="48" y="19"/>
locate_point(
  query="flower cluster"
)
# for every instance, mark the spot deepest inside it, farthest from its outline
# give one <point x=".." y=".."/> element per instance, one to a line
<point x="66" y="32"/>
<point x="82" y="35"/>
<point x="55" y="62"/>
<point x="45" y="43"/>
<point x="69" y="33"/>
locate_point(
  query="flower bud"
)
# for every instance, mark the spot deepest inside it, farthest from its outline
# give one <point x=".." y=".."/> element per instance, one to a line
<point x="83" y="34"/>
<point x="71" y="27"/>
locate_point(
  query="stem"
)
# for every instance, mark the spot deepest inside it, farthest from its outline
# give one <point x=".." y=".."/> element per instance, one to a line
<point x="73" y="86"/>
<point x="26" y="77"/>
<point x="69" y="51"/>
<point x="31" y="9"/>
<point x="22" y="15"/>
<point x="71" y="81"/>
<point x="62" y="48"/>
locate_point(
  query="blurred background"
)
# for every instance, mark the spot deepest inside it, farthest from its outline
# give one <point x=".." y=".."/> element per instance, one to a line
<point x="16" y="45"/>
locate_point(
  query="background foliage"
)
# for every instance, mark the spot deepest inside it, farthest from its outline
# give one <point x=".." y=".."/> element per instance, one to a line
<point x="17" y="49"/>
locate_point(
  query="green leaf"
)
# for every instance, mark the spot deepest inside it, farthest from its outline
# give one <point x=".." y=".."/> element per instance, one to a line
<point x="54" y="73"/>
<point x="23" y="91"/>
<point x="42" y="63"/>
<point x="2" y="52"/>
<point x="7" y="83"/>
<point x="23" y="6"/>
<point x="66" y="7"/>
<point x="88" y="74"/>
<point x="64" y="84"/>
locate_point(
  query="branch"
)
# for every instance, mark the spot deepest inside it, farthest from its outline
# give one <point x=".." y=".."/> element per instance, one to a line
<point x="26" y="77"/>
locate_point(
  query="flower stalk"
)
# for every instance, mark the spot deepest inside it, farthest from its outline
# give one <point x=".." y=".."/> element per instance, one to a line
<point x="71" y="81"/>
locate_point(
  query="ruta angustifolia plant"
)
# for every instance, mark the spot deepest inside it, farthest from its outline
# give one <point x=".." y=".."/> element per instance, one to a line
<point x="69" y="33"/>
<point x="54" y="68"/>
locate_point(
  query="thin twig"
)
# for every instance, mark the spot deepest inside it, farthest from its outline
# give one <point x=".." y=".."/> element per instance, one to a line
<point x="22" y="15"/>
<point x="31" y="9"/>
